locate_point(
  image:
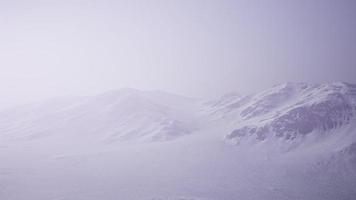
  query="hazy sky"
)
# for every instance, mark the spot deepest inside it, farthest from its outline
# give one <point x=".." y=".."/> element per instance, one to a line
<point x="196" y="48"/>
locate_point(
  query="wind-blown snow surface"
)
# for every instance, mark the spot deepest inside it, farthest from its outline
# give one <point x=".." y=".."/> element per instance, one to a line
<point x="293" y="141"/>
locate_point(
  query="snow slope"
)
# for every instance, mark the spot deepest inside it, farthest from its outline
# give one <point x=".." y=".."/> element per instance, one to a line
<point x="290" y="112"/>
<point x="79" y="149"/>
<point x="115" y="115"/>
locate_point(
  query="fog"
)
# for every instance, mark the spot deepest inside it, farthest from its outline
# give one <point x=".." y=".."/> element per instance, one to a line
<point x="194" y="48"/>
<point x="294" y="140"/>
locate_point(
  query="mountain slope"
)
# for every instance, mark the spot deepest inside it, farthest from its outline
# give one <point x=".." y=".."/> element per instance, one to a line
<point x="290" y="112"/>
<point x="123" y="114"/>
<point x="317" y="139"/>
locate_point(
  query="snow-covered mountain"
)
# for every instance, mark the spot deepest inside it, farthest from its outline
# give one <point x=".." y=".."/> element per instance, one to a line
<point x="115" y="115"/>
<point x="288" y="112"/>
<point x="292" y="141"/>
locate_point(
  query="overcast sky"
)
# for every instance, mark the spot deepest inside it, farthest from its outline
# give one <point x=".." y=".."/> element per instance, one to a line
<point x="195" y="48"/>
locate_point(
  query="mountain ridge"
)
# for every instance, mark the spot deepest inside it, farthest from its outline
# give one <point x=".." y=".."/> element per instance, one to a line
<point x="287" y="111"/>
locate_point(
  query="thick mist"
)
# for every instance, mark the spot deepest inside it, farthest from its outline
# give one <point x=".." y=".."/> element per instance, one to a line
<point x="195" y="48"/>
<point x="177" y="100"/>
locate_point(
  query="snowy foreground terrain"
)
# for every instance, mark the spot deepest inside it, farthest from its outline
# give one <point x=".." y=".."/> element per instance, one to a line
<point x="292" y="141"/>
